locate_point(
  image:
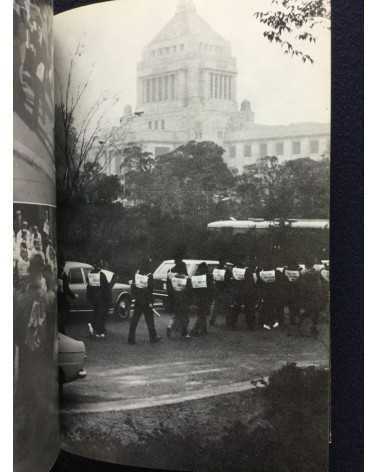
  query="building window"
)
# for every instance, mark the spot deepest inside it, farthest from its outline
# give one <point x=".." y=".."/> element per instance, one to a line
<point x="148" y="98"/>
<point x="160" y="82"/>
<point x="230" y="88"/>
<point x="174" y="48"/>
<point x="150" y="124"/>
<point x="279" y="149"/>
<point x="220" y="134"/>
<point x="216" y="87"/>
<point x="314" y="146"/>
<point x="247" y="150"/>
<point x="221" y="86"/>
<point x="263" y="149"/>
<point x="154" y="90"/>
<point x="173" y="86"/>
<point x="166" y="88"/>
<point x="211" y="85"/>
<point x="156" y="124"/>
<point x="181" y="47"/>
<point x="232" y="151"/>
<point x="162" y="124"/>
<point x="296" y="145"/>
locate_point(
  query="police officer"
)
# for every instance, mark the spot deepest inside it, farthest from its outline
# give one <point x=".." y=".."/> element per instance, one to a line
<point x="202" y="287"/>
<point x="99" y="294"/>
<point x="178" y="288"/>
<point x="228" y="292"/>
<point x="218" y="277"/>
<point x="267" y="287"/>
<point x="237" y="294"/>
<point x="250" y="296"/>
<point x="311" y="296"/>
<point x="142" y="292"/>
<point x="292" y="275"/>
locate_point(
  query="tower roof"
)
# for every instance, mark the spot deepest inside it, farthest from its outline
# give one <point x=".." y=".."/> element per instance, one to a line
<point x="187" y="23"/>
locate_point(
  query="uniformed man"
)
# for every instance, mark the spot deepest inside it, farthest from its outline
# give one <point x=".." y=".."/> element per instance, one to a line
<point x="99" y="294"/>
<point x="292" y="274"/>
<point x="202" y="287"/>
<point x="219" y="307"/>
<point x="311" y="296"/>
<point x="250" y="296"/>
<point x="237" y="294"/>
<point x="178" y="288"/>
<point x="267" y="287"/>
<point x="228" y="293"/>
<point x="142" y="292"/>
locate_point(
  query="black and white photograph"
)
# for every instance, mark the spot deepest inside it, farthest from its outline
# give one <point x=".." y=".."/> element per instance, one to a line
<point x="192" y="149"/>
<point x="33" y="101"/>
<point x="35" y="352"/>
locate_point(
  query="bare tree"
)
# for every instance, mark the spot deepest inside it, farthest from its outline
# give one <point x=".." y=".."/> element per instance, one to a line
<point x="79" y="154"/>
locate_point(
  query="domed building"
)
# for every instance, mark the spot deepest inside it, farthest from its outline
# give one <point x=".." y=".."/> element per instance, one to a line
<point x="187" y="90"/>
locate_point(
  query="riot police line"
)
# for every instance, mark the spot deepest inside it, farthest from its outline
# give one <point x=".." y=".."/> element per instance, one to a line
<point x="264" y="296"/>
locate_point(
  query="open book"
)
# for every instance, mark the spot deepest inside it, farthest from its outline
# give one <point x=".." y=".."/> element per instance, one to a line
<point x="165" y="171"/>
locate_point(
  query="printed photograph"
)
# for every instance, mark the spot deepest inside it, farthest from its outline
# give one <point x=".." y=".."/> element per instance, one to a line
<point x="33" y="101"/>
<point x="35" y="354"/>
<point x="192" y="148"/>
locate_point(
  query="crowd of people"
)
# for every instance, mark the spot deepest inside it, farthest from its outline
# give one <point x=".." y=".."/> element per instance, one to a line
<point x="33" y="245"/>
<point x="265" y="295"/>
<point x="33" y="63"/>
<point x="34" y="331"/>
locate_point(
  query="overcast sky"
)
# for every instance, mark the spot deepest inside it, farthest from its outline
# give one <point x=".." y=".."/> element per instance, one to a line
<point x="282" y="89"/>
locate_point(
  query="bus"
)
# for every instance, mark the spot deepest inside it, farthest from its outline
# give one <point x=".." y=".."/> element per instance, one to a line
<point x="275" y="242"/>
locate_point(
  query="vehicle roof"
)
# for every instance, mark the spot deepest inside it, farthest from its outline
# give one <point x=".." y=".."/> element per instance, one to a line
<point x="265" y="224"/>
<point x="71" y="264"/>
<point x="191" y="261"/>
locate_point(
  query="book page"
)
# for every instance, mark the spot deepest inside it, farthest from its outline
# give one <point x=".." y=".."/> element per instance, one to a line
<point x="35" y="355"/>
<point x="193" y="143"/>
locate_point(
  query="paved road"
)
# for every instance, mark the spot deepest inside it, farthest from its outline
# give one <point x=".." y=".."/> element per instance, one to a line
<point x="122" y="377"/>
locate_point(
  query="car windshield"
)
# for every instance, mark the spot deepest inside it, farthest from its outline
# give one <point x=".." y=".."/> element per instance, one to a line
<point x="86" y="272"/>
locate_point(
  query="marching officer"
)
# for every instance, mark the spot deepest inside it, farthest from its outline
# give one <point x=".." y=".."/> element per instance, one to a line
<point x="202" y="286"/>
<point x="270" y="304"/>
<point x="99" y="294"/>
<point x="292" y="274"/>
<point x="311" y="296"/>
<point x="237" y="293"/>
<point x="219" y="306"/>
<point x="250" y="296"/>
<point x="178" y="288"/>
<point x="142" y="292"/>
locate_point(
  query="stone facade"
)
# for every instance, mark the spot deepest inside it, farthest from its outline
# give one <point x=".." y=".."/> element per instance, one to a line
<point x="187" y="90"/>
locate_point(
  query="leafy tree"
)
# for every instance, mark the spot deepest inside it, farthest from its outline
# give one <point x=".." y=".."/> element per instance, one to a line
<point x="106" y="189"/>
<point x="136" y="169"/>
<point x="294" y="189"/>
<point x="291" y="23"/>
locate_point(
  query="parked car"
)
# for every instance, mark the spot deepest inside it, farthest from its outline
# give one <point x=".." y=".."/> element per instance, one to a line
<point x="71" y="358"/>
<point x="160" y="275"/>
<point x="78" y="281"/>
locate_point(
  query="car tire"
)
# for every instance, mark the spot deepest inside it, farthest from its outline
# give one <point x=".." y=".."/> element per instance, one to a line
<point x="122" y="309"/>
